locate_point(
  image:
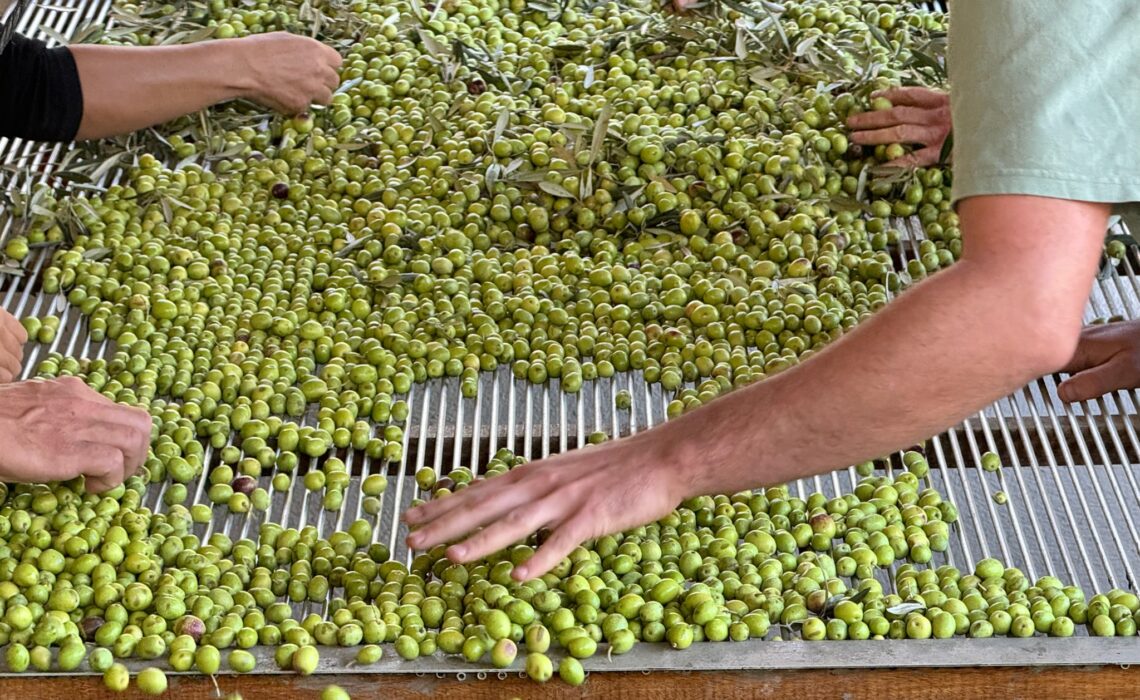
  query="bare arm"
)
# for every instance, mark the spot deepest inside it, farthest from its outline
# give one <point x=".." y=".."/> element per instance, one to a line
<point x="1009" y="311"/>
<point x="128" y="88"/>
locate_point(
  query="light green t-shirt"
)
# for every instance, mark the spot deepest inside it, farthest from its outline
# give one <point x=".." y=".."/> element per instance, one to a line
<point x="1045" y="100"/>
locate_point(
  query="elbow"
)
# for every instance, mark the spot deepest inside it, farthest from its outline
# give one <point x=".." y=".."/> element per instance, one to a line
<point x="1046" y="338"/>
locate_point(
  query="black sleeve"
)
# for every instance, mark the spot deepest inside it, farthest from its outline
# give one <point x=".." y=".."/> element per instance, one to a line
<point x="40" y="96"/>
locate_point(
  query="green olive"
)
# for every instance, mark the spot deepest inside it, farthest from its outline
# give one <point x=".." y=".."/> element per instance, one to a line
<point x="151" y="681"/>
<point x="334" y="692"/>
<point x="539" y="667"/>
<point x="117" y="678"/>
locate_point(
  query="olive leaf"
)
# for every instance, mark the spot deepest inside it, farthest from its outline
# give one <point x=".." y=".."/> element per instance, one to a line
<point x="804" y="46"/>
<point x="905" y="608"/>
<point x="555" y="189"/>
<point x="600" y="127"/>
<point x="920" y="59"/>
<point x="947" y="149"/>
<point x="348" y="85"/>
<point x="54" y="35"/>
<point x="861" y="185"/>
<point x="94" y="254"/>
<point x="432" y="45"/>
<point x="353" y="245"/>
<point x="860" y="594"/>
<point x="588" y="80"/>
<point x="492" y="176"/>
<point x="878" y="35"/>
<point x="12" y="269"/>
<point x="501" y="124"/>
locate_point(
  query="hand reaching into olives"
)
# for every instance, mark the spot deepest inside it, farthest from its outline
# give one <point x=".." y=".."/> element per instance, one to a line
<point x="56" y="430"/>
<point x="918" y="115"/>
<point x="578" y="495"/>
<point x="1107" y="358"/>
<point x="12" y="339"/>
<point x="287" y="72"/>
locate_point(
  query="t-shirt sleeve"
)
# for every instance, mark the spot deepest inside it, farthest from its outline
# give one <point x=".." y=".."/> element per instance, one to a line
<point x="1045" y="97"/>
<point x="40" y="95"/>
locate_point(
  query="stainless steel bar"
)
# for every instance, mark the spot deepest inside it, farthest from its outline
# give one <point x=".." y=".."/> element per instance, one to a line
<point x="1053" y="469"/>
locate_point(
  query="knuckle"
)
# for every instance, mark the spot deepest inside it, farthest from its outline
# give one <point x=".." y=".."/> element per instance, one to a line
<point x="516" y="517"/>
<point x="70" y="382"/>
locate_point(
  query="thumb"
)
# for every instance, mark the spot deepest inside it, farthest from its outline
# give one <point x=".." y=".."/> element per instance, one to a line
<point x="1095" y="381"/>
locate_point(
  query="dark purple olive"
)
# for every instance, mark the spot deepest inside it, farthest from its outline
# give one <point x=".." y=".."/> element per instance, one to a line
<point x="244" y="484"/>
<point x="88" y="626"/>
<point x="444" y="482"/>
<point x="280" y="190"/>
<point x="476" y="87"/>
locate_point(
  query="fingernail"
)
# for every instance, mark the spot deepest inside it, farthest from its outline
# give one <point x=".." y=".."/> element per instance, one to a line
<point x="414" y="540"/>
<point x="520" y="573"/>
<point x="457" y="552"/>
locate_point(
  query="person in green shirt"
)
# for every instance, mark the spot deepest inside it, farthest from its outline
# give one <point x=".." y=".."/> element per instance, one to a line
<point x="1045" y="93"/>
<point x="1044" y="99"/>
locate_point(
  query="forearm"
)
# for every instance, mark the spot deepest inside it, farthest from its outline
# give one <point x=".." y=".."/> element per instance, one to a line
<point x="942" y="351"/>
<point x="130" y="88"/>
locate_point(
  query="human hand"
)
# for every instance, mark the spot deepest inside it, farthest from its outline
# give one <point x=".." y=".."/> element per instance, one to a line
<point x="58" y="429"/>
<point x="919" y="115"/>
<point x="590" y="492"/>
<point x="1107" y="358"/>
<point x="12" y="339"/>
<point x="286" y="72"/>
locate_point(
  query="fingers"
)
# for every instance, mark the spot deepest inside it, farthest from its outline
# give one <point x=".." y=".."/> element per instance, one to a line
<point x="121" y="431"/>
<point x="123" y="427"/>
<point x="331" y="79"/>
<point x="894" y="116"/>
<point x="1098" y="380"/>
<point x="919" y="159"/>
<point x="514" y="526"/>
<point x="323" y="96"/>
<point x="12" y="339"/>
<point x="915" y="97"/>
<point x="331" y="57"/>
<point x="480" y="509"/>
<point x="461" y="499"/>
<point x="899" y="133"/>
<point x="557" y="547"/>
<point x="103" y="467"/>
<point x="16" y="327"/>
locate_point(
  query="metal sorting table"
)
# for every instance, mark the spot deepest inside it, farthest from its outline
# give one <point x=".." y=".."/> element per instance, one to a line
<point x="1072" y="472"/>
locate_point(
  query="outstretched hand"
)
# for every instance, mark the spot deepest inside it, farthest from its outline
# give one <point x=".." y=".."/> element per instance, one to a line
<point x="589" y="492"/>
<point x="919" y="116"/>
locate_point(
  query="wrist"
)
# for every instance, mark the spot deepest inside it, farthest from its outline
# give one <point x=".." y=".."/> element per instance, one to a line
<point x="232" y="62"/>
<point x="682" y="456"/>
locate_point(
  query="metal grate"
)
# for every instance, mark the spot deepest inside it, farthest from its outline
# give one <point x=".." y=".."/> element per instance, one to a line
<point x="1071" y="472"/>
